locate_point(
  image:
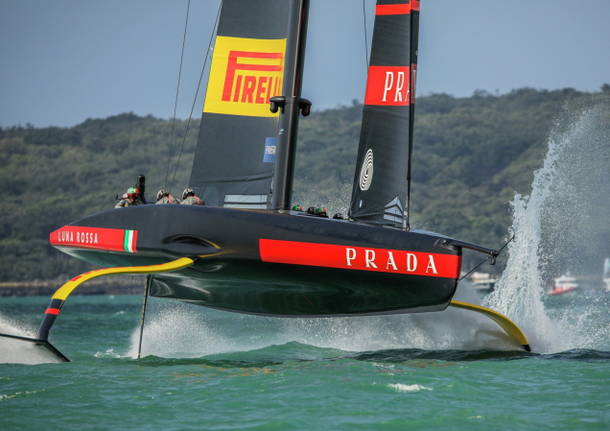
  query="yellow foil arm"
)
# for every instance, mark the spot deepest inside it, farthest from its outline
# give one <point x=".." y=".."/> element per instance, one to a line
<point x="511" y="329"/>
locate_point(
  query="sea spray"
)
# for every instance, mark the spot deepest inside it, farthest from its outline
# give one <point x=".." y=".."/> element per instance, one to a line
<point x="177" y="330"/>
<point x="182" y="330"/>
<point x="11" y="326"/>
<point x="17" y="351"/>
<point x="562" y="226"/>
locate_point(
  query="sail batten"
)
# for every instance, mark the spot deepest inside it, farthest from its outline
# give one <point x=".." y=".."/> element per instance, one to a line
<point x="381" y="181"/>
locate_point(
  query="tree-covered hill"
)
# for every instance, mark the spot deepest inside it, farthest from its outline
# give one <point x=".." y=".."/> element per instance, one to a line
<point x="471" y="156"/>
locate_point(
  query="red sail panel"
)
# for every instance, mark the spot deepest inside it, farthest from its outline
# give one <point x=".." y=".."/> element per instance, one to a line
<point x="393" y="9"/>
<point x="388" y="86"/>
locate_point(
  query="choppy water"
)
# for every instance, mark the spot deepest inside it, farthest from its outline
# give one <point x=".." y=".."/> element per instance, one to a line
<point x="205" y="369"/>
<point x="223" y="371"/>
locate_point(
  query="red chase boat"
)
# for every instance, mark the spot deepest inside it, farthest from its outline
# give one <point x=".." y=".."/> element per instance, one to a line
<point x="563" y="284"/>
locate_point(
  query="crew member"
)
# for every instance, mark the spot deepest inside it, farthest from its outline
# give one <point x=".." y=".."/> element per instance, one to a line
<point x="129" y="198"/>
<point x="165" y="197"/>
<point x="317" y="212"/>
<point x="189" y="197"/>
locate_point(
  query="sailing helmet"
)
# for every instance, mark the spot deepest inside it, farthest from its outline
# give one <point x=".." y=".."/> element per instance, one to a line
<point x="162" y="193"/>
<point x="187" y="192"/>
<point x="132" y="192"/>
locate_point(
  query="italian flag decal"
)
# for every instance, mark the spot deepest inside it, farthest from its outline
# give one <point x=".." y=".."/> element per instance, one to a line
<point x="129" y="244"/>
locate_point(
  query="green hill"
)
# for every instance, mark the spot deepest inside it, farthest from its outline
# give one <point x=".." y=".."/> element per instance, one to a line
<point x="471" y="156"/>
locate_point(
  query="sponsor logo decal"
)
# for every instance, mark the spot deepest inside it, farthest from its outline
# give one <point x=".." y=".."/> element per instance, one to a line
<point x="360" y="258"/>
<point x="245" y="74"/>
<point x="270" y="149"/>
<point x="393" y="211"/>
<point x="388" y="86"/>
<point x="95" y="238"/>
<point x="366" y="171"/>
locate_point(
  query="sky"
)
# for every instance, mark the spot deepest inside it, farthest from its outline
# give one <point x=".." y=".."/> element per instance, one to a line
<point x="64" y="61"/>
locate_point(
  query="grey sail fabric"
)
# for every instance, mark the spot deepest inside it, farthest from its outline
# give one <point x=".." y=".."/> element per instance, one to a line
<point x="238" y="136"/>
<point x="381" y="182"/>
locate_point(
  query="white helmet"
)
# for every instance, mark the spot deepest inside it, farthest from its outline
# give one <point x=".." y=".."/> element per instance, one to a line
<point x="187" y="191"/>
<point x="162" y="193"/>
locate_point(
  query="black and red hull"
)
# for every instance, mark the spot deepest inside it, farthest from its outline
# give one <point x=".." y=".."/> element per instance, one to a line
<point x="271" y="263"/>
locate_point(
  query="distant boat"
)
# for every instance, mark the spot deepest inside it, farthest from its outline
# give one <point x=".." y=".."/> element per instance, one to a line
<point x="483" y="282"/>
<point x="564" y="284"/>
<point x="607" y="274"/>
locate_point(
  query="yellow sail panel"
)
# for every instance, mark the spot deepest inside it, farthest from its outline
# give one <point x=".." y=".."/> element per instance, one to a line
<point x="245" y="74"/>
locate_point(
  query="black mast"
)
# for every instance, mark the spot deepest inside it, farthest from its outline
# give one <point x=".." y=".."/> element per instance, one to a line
<point x="291" y="105"/>
<point x="413" y="78"/>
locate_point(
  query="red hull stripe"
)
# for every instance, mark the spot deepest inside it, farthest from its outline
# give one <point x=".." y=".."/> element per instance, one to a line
<point x="55" y="311"/>
<point x="360" y="258"/>
<point x="92" y="237"/>
<point x="393" y="9"/>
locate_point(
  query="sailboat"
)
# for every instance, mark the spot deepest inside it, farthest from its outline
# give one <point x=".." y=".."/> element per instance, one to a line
<point x="247" y="251"/>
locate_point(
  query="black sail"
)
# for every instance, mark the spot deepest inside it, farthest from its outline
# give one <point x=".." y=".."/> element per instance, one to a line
<point x="238" y="137"/>
<point x="381" y="182"/>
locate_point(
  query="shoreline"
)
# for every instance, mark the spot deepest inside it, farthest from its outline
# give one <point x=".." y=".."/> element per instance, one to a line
<point x="116" y="286"/>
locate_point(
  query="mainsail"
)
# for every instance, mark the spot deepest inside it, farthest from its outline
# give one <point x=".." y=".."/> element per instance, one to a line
<point x="382" y="179"/>
<point x="238" y="136"/>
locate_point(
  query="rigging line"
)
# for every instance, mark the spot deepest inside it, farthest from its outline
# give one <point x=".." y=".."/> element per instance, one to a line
<point x="143" y="316"/>
<point x="172" y="133"/>
<point x="366" y="37"/>
<point x="486" y="259"/>
<point x="188" y="123"/>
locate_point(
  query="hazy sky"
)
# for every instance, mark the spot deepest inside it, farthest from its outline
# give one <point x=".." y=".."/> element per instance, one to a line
<point x="67" y="60"/>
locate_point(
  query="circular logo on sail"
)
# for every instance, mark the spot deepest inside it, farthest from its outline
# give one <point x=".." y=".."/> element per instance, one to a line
<point x="366" y="171"/>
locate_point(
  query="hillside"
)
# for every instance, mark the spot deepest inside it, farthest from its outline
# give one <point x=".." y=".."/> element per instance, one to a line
<point x="471" y="156"/>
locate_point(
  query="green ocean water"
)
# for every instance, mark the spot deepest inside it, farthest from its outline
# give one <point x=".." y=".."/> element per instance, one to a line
<point x="206" y="369"/>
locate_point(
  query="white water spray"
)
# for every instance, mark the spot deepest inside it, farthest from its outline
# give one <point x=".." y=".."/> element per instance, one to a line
<point x="562" y="226"/>
<point x="181" y="330"/>
<point x="20" y="352"/>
